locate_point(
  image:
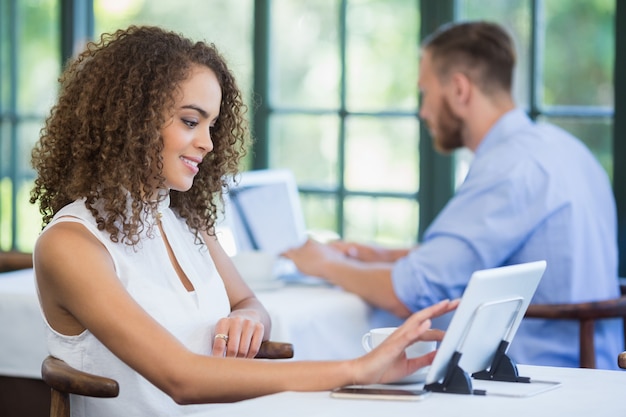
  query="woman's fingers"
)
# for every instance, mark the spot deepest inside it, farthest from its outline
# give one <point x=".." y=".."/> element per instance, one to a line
<point x="237" y="337"/>
<point x="434" y="310"/>
<point x="221" y="338"/>
<point x="432" y="335"/>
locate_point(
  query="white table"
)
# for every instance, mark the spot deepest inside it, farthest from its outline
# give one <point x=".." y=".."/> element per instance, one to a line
<point x="322" y="322"/>
<point x="584" y="393"/>
<point x="22" y="337"/>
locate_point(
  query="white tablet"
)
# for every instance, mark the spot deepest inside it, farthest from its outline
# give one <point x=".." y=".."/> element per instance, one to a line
<point x="491" y="310"/>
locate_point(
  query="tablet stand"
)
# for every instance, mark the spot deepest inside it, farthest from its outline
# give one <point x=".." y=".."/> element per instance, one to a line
<point x="456" y="381"/>
<point x="502" y="368"/>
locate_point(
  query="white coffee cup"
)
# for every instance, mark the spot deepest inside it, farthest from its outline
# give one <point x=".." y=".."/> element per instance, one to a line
<point x="376" y="336"/>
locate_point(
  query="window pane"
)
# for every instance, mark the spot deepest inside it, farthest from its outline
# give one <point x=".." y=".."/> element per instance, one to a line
<point x="386" y="221"/>
<point x="30" y="65"/>
<point x="5" y="150"/>
<point x="515" y="16"/>
<point x="27" y="135"/>
<point x="579" y="52"/>
<point x="595" y="133"/>
<point x="382" y="54"/>
<point x="462" y="161"/>
<point x="227" y="24"/>
<point x="6" y="231"/>
<point x="5" y="58"/>
<point x="307" y="145"/>
<point x="305" y="69"/>
<point x="38" y="56"/>
<point x="319" y="212"/>
<point x="382" y="154"/>
<point x="27" y="216"/>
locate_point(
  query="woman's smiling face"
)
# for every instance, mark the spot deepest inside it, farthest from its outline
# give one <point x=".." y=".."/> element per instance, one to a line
<point x="187" y="134"/>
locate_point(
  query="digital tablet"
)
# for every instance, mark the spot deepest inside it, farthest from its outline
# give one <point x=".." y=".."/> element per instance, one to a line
<point x="491" y="310"/>
<point x="263" y="211"/>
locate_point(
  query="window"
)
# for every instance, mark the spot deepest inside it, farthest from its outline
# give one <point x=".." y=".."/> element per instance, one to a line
<point x="227" y="24"/>
<point x="29" y="66"/>
<point x="332" y="92"/>
<point x="341" y="100"/>
<point x="342" y="113"/>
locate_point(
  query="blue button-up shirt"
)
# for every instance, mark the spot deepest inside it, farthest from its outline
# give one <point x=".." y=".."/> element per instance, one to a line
<point x="532" y="192"/>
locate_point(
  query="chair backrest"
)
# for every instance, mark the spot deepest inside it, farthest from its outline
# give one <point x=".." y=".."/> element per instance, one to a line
<point x="65" y="380"/>
<point x="586" y="314"/>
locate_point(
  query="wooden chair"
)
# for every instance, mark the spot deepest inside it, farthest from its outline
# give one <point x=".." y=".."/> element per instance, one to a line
<point x="14" y="260"/>
<point x="64" y="380"/>
<point x="621" y="360"/>
<point x="586" y="314"/>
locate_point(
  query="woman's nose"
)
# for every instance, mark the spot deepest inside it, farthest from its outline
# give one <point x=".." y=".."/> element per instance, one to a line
<point x="205" y="141"/>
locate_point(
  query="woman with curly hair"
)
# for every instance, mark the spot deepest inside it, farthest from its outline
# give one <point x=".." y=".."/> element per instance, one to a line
<point x="132" y="281"/>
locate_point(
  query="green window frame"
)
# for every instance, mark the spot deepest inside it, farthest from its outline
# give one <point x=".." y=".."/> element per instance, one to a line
<point x="75" y="18"/>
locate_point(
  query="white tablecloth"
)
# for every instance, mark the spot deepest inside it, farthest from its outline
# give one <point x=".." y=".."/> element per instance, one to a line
<point x="322" y="322"/>
<point x="583" y="393"/>
<point x="22" y="340"/>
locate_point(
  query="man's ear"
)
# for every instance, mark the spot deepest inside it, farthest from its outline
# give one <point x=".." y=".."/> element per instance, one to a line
<point x="461" y="90"/>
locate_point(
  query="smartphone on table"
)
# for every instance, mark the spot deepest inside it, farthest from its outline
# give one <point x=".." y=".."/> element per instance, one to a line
<point x="379" y="393"/>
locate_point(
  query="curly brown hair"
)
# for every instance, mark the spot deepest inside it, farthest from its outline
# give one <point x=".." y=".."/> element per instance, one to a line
<point x="102" y="139"/>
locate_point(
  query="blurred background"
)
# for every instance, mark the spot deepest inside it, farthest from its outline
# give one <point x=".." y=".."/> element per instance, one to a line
<point x="332" y="91"/>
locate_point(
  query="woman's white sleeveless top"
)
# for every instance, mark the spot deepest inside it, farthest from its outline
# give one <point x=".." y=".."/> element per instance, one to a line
<point x="149" y="277"/>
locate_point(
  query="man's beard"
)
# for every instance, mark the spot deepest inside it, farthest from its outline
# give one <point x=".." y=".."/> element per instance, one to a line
<point x="449" y="127"/>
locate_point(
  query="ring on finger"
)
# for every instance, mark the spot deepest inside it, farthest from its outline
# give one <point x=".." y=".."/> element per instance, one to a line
<point x="222" y="336"/>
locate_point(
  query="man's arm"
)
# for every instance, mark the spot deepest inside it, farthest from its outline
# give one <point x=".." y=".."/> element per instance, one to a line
<point x="369" y="280"/>
<point x="369" y="253"/>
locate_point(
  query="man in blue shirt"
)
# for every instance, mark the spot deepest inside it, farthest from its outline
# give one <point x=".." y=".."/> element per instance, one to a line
<point x="533" y="192"/>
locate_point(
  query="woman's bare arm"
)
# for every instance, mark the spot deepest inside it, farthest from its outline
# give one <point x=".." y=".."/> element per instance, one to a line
<point x="79" y="290"/>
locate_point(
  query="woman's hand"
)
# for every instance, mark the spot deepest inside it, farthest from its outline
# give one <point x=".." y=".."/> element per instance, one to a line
<point x="241" y="333"/>
<point x="388" y="362"/>
<point x="238" y="335"/>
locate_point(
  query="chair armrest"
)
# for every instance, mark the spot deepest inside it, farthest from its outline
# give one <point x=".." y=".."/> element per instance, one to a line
<point x="62" y="377"/>
<point x="621" y="360"/>
<point x="275" y="350"/>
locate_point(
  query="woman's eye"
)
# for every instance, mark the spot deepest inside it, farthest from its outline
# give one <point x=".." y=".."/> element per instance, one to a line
<point x="190" y="123"/>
